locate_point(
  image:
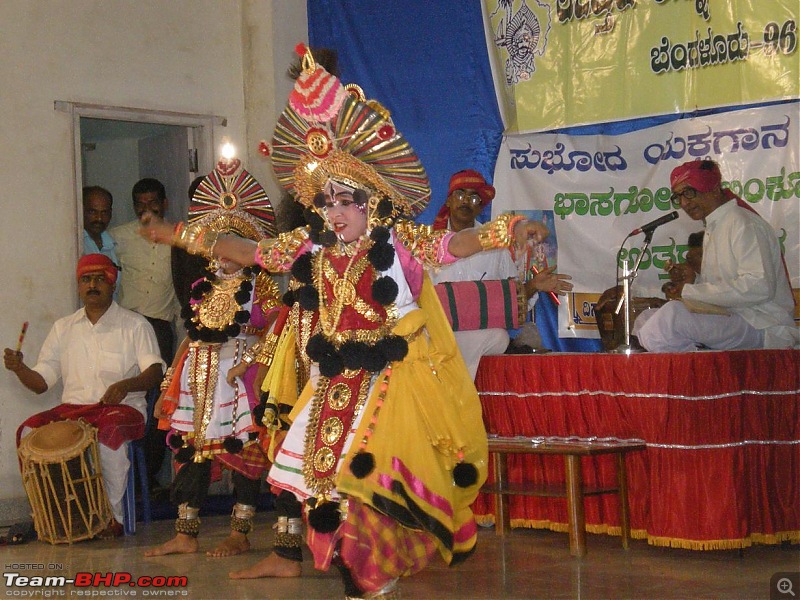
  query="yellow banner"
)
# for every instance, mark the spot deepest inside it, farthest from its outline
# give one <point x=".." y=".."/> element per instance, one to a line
<point x="573" y="62"/>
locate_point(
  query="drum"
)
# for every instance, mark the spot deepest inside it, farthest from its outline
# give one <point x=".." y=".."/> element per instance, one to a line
<point x="612" y="326"/>
<point x="484" y="304"/>
<point x="62" y="478"/>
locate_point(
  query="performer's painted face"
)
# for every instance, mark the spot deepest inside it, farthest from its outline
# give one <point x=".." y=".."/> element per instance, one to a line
<point x="346" y="217"/>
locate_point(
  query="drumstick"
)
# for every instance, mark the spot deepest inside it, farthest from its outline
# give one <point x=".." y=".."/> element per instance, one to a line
<point x="22" y="336"/>
<point x="552" y="294"/>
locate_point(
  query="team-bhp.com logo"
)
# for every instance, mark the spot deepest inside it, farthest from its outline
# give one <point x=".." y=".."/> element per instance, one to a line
<point x="93" y="584"/>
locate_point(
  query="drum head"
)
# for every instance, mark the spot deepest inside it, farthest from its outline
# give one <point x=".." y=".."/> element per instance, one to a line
<point x="60" y="438"/>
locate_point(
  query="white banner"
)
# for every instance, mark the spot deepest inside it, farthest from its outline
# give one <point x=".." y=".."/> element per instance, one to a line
<point x="601" y="188"/>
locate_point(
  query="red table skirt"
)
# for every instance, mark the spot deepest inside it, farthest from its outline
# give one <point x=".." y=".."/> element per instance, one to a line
<point x="722" y="465"/>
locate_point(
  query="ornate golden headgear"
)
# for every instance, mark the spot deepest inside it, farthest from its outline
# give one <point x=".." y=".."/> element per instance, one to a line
<point x="230" y="200"/>
<point x="328" y="131"/>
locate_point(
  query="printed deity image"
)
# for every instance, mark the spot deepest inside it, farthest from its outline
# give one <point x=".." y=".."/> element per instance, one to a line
<point x="538" y="256"/>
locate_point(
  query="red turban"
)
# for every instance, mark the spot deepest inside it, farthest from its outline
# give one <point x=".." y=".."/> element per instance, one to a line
<point x="697" y="174"/>
<point x="92" y="263"/>
<point x="464" y="180"/>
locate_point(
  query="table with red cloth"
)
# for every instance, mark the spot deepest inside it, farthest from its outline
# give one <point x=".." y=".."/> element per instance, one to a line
<point x="722" y="465"/>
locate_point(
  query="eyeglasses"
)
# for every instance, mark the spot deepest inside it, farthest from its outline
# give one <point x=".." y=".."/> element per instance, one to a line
<point x="87" y="279"/>
<point x="689" y="193"/>
<point x="473" y="198"/>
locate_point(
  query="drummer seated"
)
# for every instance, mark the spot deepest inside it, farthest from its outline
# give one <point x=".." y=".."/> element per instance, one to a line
<point x="468" y="194"/>
<point x="107" y="358"/>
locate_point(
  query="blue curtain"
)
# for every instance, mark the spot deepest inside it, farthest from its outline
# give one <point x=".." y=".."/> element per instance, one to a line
<point x="426" y="61"/>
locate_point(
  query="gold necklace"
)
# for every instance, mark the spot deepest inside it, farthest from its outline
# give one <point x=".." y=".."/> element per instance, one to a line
<point x="344" y="291"/>
<point x="218" y="307"/>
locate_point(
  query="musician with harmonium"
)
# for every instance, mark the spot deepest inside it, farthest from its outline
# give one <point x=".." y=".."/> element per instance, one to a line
<point x="482" y="294"/>
<point x="107" y="358"/>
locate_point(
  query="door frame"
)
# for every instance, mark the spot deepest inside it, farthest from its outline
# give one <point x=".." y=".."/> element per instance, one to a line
<point x="202" y="131"/>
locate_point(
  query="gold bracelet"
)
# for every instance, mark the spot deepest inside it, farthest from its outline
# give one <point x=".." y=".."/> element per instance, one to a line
<point x="168" y="375"/>
<point x="203" y="242"/>
<point x="495" y="233"/>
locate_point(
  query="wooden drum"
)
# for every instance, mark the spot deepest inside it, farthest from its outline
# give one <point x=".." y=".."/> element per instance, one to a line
<point x="62" y="478"/>
<point x="612" y="326"/>
<point x="484" y="304"/>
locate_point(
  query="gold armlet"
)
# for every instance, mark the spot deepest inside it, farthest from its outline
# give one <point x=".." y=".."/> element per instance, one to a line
<point x="168" y="375"/>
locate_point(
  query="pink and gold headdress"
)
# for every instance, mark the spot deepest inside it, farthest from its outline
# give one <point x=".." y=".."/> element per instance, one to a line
<point x="330" y="131"/>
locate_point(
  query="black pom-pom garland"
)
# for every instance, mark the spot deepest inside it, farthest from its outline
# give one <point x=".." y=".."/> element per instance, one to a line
<point x="384" y="290"/>
<point x="362" y="464"/>
<point x="325" y="517"/>
<point x="313" y="219"/>
<point x="379" y="235"/>
<point x="319" y="200"/>
<point x="327" y="238"/>
<point x="331" y="365"/>
<point x="465" y="475"/>
<point x="289" y="298"/>
<point x="242" y="316"/>
<point x="258" y="413"/>
<point x="381" y="255"/>
<point x="394" y="348"/>
<point x="318" y="347"/>
<point x="301" y="268"/>
<point x="175" y="441"/>
<point x="232" y="445"/>
<point x="385" y="208"/>
<point x="353" y="354"/>
<point x="308" y="297"/>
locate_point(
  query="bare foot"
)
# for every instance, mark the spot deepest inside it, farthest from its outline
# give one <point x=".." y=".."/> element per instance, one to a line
<point x="272" y="566"/>
<point x="235" y="543"/>
<point x="180" y="544"/>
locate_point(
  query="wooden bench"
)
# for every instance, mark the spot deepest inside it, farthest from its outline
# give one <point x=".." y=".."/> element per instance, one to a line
<point x="573" y="489"/>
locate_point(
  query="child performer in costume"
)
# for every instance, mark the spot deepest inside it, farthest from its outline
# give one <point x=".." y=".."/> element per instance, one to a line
<point x="387" y="448"/>
<point x="208" y="412"/>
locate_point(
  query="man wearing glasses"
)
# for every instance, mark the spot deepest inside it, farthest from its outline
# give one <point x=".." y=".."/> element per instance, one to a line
<point x="743" y="298"/>
<point x="468" y="194"/>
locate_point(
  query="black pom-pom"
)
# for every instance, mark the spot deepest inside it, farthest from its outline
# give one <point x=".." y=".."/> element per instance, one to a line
<point x="258" y="413"/>
<point x="325" y="517"/>
<point x="185" y="454"/>
<point x="313" y="235"/>
<point x="327" y="238"/>
<point x="315" y="222"/>
<point x="241" y="297"/>
<point x="175" y="441"/>
<point x="204" y="286"/>
<point x="465" y="475"/>
<point x="384" y="290"/>
<point x="232" y="445"/>
<point x="331" y="365"/>
<point x="247" y="286"/>
<point x="353" y="354"/>
<point x="288" y="298"/>
<point x="362" y="464"/>
<point x="319" y="200"/>
<point x="380" y="235"/>
<point x="385" y="208"/>
<point x="381" y="256"/>
<point x="192" y="334"/>
<point x="318" y="347"/>
<point x="308" y="297"/>
<point x="301" y="268"/>
<point x="196" y="293"/>
<point x="231" y="331"/>
<point x="360" y="197"/>
<point x="393" y="347"/>
<point x="374" y="361"/>
<point x="187" y="312"/>
<point x="252" y="436"/>
<point x="242" y="316"/>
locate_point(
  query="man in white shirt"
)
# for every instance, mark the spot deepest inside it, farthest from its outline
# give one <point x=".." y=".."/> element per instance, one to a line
<point x="107" y="358"/>
<point x="743" y="276"/>
<point x="468" y="194"/>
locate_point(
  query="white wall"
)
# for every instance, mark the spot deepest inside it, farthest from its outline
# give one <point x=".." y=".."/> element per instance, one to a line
<point x="186" y="56"/>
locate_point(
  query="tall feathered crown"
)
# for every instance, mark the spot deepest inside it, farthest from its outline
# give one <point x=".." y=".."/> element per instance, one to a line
<point x="230" y="200"/>
<point x="330" y="131"/>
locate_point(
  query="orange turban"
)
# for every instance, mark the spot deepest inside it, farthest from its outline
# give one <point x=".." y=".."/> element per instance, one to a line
<point x="467" y="179"/>
<point x="702" y="175"/>
<point x="92" y="263"/>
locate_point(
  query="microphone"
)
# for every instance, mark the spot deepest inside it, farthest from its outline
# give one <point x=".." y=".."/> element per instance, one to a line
<point x="657" y="223"/>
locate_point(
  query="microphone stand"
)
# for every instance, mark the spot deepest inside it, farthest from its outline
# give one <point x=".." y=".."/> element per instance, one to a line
<point x="624" y="300"/>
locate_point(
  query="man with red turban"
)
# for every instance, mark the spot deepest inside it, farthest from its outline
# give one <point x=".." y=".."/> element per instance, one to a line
<point x="107" y="357"/>
<point x="743" y="298"/>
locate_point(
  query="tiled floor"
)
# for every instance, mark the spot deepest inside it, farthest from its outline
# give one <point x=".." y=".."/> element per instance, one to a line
<point x="526" y="564"/>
